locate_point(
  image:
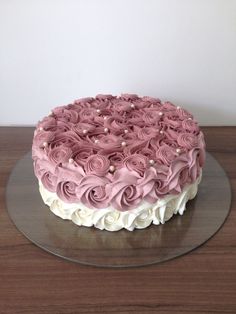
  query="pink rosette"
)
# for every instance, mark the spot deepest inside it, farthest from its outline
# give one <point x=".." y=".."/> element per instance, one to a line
<point x="172" y="122"/>
<point x="165" y="154"/>
<point x="49" y="181"/>
<point x="190" y="126"/>
<point x="151" y="116"/>
<point x="105" y="97"/>
<point x="178" y="174"/>
<point x="116" y="159"/>
<point x="184" y="114"/>
<point x="66" y="115"/>
<point x="151" y="100"/>
<point x="41" y="166"/>
<point x="59" y="154"/>
<point x="187" y="140"/>
<point x="87" y="114"/>
<point x="108" y="141"/>
<point x="137" y="163"/>
<point x="43" y="137"/>
<point x="48" y="124"/>
<point x="135" y="117"/>
<point x="84" y="101"/>
<point x="124" y="193"/>
<point x="66" y="191"/>
<point x="82" y="127"/>
<point x="81" y="153"/>
<point x="115" y="124"/>
<point x="97" y="164"/>
<point x="92" y="193"/>
<point x="68" y="138"/>
<point x="168" y="106"/>
<point x="146" y="133"/>
<point x="129" y="97"/>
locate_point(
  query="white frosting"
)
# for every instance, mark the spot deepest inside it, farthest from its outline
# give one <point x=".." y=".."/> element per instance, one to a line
<point x="113" y="220"/>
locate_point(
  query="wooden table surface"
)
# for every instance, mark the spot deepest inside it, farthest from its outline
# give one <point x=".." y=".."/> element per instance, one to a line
<point x="33" y="281"/>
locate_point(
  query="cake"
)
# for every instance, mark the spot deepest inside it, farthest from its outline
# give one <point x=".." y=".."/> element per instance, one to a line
<point x="114" y="162"/>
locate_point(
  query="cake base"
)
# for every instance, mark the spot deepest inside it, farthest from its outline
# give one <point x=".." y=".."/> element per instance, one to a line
<point x="203" y="217"/>
<point x="111" y="219"/>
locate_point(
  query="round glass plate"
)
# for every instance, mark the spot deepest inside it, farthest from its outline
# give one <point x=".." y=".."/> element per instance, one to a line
<point x="181" y="234"/>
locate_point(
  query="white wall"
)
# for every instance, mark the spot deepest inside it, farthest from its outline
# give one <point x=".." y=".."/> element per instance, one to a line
<point x="54" y="51"/>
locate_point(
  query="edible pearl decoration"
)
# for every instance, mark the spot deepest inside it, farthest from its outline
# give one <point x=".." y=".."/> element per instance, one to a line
<point x="71" y="160"/>
<point x="106" y="130"/>
<point x="132" y="106"/>
<point x="40" y="129"/>
<point x="160" y="113"/>
<point x="126" y="131"/>
<point x="178" y="107"/>
<point x="98" y="111"/>
<point x="161" y="132"/>
<point x="85" y="131"/>
<point x="151" y="161"/>
<point x="105" y="118"/>
<point x="96" y="141"/>
<point x="178" y="150"/>
<point x="112" y="168"/>
<point x="123" y="144"/>
<point x="45" y="144"/>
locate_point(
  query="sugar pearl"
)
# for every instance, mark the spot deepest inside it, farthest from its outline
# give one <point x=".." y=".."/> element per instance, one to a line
<point x="123" y="144"/>
<point x="178" y="107"/>
<point x="71" y="160"/>
<point x="96" y="141"/>
<point x="40" y="129"/>
<point x="160" y="113"/>
<point x="45" y="144"/>
<point x="151" y="161"/>
<point x="106" y="130"/>
<point x="98" y="111"/>
<point x="112" y="168"/>
<point x="105" y="118"/>
<point x="126" y="131"/>
<point x="178" y="150"/>
<point x="85" y="131"/>
<point x="132" y="105"/>
<point x="190" y="119"/>
<point x="161" y="132"/>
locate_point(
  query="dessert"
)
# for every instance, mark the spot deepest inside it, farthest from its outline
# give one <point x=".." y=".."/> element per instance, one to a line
<point x="116" y="162"/>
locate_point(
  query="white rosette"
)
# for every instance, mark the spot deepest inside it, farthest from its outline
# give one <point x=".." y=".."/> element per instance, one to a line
<point x="83" y="217"/>
<point x="108" y="219"/>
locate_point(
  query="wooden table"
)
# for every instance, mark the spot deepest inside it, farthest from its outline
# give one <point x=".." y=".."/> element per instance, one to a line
<point x="33" y="281"/>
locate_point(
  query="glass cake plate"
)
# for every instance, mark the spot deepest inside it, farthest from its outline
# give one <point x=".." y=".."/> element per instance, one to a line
<point x="181" y="234"/>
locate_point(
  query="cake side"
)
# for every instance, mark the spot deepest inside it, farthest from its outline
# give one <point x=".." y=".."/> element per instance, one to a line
<point x="111" y="219"/>
<point x="118" y="153"/>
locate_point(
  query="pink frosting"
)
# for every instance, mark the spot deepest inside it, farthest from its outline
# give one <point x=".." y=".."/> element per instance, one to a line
<point x="117" y="151"/>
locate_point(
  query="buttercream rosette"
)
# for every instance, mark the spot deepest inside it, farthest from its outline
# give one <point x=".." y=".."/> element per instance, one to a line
<point x="118" y="162"/>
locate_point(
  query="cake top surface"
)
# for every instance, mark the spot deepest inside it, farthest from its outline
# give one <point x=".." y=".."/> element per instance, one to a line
<point x="117" y="151"/>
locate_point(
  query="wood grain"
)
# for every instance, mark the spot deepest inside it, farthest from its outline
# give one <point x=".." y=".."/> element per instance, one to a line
<point x="33" y="281"/>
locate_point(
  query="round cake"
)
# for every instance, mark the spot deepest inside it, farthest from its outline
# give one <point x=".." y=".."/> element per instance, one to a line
<point x="116" y="162"/>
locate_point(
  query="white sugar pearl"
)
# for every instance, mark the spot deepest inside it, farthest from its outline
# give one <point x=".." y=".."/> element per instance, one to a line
<point x="132" y="106"/>
<point x="98" y="111"/>
<point x="123" y="144"/>
<point x="96" y="141"/>
<point x="178" y="150"/>
<point x="151" y="161"/>
<point x="85" y="131"/>
<point x="126" y="131"/>
<point x="45" y="144"/>
<point x="160" y="113"/>
<point x="112" y="168"/>
<point x="161" y="132"/>
<point x="40" y="129"/>
<point x="190" y="119"/>
<point x="106" y="130"/>
<point x="71" y="160"/>
<point x="105" y="118"/>
<point x="178" y="107"/>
